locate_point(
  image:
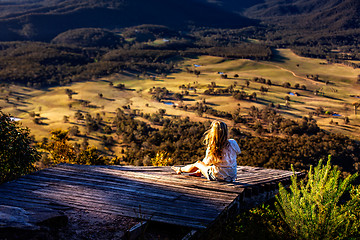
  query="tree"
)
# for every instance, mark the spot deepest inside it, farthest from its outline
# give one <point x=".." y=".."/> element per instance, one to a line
<point x="66" y="119"/>
<point x="312" y="209"/>
<point x="74" y="131"/>
<point x="120" y="86"/>
<point x="197" y="73"/>
<point x="17" y="154"/>
<point x="162" y="111"/>
<point x="69" y="92"/>
<point x="61" y="151"/>
<point x="79" y="116"/>
<point x="178" y="96"/>
<point x="263" y="89"/>
<point x="286" y="85"/>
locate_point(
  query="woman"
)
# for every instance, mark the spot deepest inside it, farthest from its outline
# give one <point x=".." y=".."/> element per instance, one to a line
<point x="220" y="160"/>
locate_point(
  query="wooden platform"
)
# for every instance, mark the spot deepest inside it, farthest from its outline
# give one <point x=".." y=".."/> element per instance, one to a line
<point x="150" y="193"/>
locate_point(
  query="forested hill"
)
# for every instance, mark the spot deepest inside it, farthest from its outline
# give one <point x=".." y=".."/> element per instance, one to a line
<point x="45" y="19"/>
<point x="237" y="6"/>
<point x="315" y="14"/>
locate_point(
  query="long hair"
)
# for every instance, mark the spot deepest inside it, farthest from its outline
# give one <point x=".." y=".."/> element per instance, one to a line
<point x="216" y="139"/>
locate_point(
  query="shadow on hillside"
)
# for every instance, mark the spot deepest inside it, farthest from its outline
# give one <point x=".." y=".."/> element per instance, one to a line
<point x="277" y="57"/>
<point x="333" y="98"/>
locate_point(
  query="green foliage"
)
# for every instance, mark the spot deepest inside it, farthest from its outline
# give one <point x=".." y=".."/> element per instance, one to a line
<point x="261" y="223"/>
<point x="161" y="159"/>
<point x="61" y="151"/>
<point x="16" y="152"/>
<point x="311" y="209"/>
<point x="89" y="37"/>
<point x="299" y="151"/>
<point x="43" y="64"/>
<point x="183" y="140"/>
<point x="180" y="137"/>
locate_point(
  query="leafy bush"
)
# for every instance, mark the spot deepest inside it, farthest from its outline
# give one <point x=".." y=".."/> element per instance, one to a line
<point x="161" y="159"/>
<point x="312" y="209"/>
<point x="16" y="152"/>
<point x="61" y="151"/>
<point x="261" y="223"/>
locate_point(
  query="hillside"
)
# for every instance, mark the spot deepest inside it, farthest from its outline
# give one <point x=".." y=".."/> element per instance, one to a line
<point x="234" y="5"/>
<point x="43" y="20"/>
<point x="276" y="109"/>
<point x="332" y="15"/>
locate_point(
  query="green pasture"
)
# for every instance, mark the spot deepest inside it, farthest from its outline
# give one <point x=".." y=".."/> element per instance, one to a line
<point x="53" y="104"/>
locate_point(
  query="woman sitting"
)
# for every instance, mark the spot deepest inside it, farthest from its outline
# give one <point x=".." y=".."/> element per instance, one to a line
<point x="220" y="160"/>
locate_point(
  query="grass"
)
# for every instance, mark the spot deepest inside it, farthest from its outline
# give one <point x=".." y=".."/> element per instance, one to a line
<point x="283" y="68"/>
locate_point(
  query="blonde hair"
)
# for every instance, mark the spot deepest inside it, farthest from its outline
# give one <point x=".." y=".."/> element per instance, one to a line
<point x="216" y="139"/>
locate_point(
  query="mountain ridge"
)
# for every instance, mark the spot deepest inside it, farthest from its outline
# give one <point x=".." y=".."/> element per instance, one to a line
<point x="315" y="14"/>
<point x="33" y="24"/>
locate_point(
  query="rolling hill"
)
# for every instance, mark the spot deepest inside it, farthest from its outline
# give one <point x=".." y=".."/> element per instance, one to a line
<point x="44" y="19"/>
<point x="315" y="14"/>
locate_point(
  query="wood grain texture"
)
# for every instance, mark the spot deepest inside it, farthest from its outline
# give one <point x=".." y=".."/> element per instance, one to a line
<point x="149" y="193"/>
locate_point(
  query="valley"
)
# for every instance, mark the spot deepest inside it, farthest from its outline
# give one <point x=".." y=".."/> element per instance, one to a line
<point x="328" y="99"/>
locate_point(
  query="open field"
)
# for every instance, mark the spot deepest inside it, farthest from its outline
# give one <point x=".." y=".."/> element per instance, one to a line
<point x="335" y="86"/>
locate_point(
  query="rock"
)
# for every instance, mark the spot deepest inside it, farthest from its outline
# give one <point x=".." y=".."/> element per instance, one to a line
<point x="35" y="223"/>
<point x="15" y="217"/>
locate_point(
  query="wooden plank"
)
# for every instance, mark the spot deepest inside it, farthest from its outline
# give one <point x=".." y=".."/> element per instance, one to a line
<point x="92" y="183"/>
<point x="138" y="211"/>
<point x="22" y="204"/>
<point x="267" y="179"/>
<point x="185" y="197"/>
<point x="142" y="208"/>
<point x="115" y="179"/>
<point x="20" y="184"/>
<point x="174" y="179"/>
<point x="116" y="210"/>
<point x="263" y="177"/>
<point x="220" y="203"/>
<point x="257" y="181"/>
<point x="167" y="186"/>
<point x="267" y="172"/>
<point x="76" y="181"/>
<point x="117" y="199"/>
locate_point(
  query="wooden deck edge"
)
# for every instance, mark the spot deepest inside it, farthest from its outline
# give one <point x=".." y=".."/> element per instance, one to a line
<point x="190" y="235"/>
<point x="249" y="198"/>
<point x="136" y="231"/>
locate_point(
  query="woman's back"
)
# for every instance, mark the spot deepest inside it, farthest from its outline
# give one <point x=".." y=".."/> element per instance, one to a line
<point x="226" y="168"/>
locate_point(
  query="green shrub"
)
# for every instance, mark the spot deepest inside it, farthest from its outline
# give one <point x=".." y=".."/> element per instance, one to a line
<point x="312" y="208"/>
<point x="16" y="152"/>
<point x="261" y="223"/>
<point x="61" y="151"/>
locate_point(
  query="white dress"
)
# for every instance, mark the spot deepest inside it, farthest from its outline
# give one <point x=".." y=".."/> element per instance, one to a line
<point x="226" y="169"/>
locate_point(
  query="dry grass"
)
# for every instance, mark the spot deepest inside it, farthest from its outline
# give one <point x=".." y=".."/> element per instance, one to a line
<point x="54" y="101"/>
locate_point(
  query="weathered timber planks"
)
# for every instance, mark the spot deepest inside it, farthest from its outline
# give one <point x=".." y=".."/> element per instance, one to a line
<point x="150" y="193"/>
